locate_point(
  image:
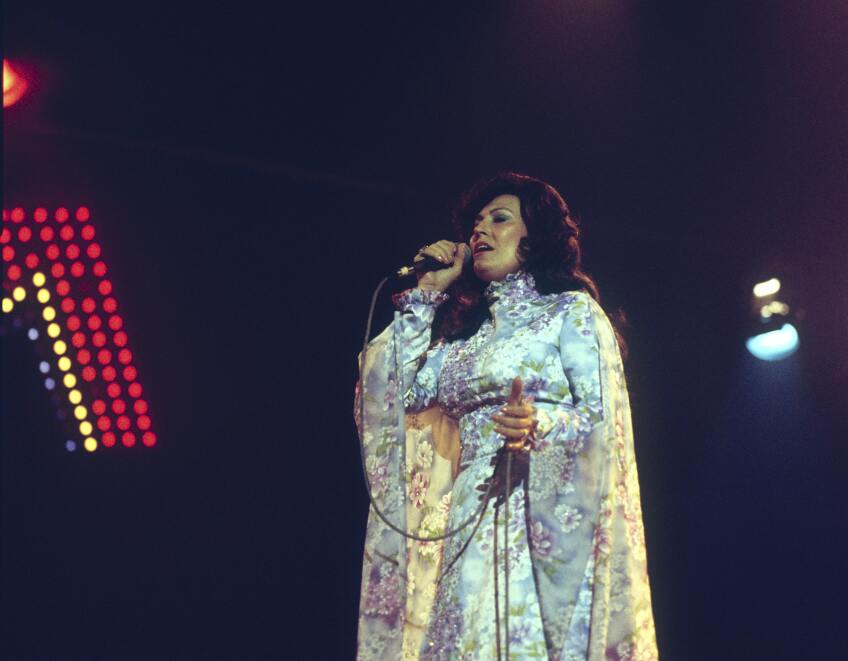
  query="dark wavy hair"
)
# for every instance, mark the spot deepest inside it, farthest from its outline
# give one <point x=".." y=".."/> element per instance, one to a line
<point x="550" y="253"/>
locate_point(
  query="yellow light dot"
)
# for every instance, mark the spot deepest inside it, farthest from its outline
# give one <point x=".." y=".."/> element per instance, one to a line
<point x="70" y="380"/>
<point x="53" y="330"/>
<point x="8" y="304"/>
<point x="90" y="444"/>
<point x="58" y="346"/>
<point x="74" y="397"/>
<point x="64" y="363"/>
<point x="43" y="295"/>
<point x="49" y="314"/>
<point x="86" y="428"/>
<point x="38" y="279"/>
<point x="80" y="412"/>
<point x="19" y="294"/>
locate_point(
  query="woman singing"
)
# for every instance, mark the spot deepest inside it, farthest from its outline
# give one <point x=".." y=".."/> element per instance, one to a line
<point x="515" y="357"/>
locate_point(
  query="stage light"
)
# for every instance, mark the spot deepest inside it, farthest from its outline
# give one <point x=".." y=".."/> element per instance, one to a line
<point x="94" y="322"/>
<point x="767" y="288"/>
<point x="120" y="339"/>
<point x="61" y="215"/>
<point x="105" y="287"/>
<point x="57" y="270"/>
<point x="17" y="215"/>
<point x="88" y="305"/>
<point x="140" y="406"/>
<point x="72" y="251"/>
<point x="31" y="260"/>
<point x="48" y="313"/>
<point x="143" y="422"/>
<point x="86" y="428"/>
<point x="24" y="234"/>
<point x="98" y="339"/>
<point x="110" y="305"/>
<point x="123" y="423"/>
<point x="125" y="356"/>
<point x="77" y="269"/>
<point x="118" y="407"/>
<point x="59" y="346"/>
<point x="8" y="253"/>
<point x="73" y="323"/>
<point x="113" y="390"/>
<point x="128" y="439"/>
<point x="93" y="250"/>
<point x="14" y="272"/>
<point x="14" y="85"/>
<point x="74" y="396"/>
<point x="87" y="232"/>
<point x="46" y="234"/>
<point x="78" y="340"/>
<point x="42" y="295"/>
<point x="109" y="439"/>
<point x="8" y="305"/>
<point x="99" y="269"/>
<point x="772" y="335"/>
<point x="70" y="446"/>
<point x="90" y="444"/>
<point x="64" y="364"/>
<point x="115" y="322"/>
<point x="32" y="334"/>
<point x="5" y="234"/>
<point x="40" y="215"/>
<point x="63" y="288"/>
<point x="66" y="234"/>
<point x="80" y="412"/>
<point x="109" y="373"/>
<point x="104" y="423"/>
<point x="53" y="330"/>
<point x="149" y="439"/>
<point x="69" y="380"/>
<point x="44" y="367"/>
<point x="52" y="252"/>
<point x="130" y="373"/>
<point x="774" y="345"/>
<point x="134" y="389"/>
<point x="67" y="305"/>
<point x="104" y="356"/>
<point x="19" y="294"/>
<point x="49" y="383"/>
<point x="89" y="373"/>
<point x="38" y="279"/>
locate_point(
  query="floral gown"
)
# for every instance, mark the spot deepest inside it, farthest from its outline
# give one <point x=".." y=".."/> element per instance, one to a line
<point x="578" y="582"/>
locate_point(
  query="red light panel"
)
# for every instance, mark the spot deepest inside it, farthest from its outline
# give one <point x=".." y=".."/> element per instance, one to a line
<point x="65" y="260"/>
<point x="14" y="85"/>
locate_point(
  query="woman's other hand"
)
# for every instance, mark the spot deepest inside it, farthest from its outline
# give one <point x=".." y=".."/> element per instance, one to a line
<point x="446" y="252"/>
<point x="517" y="419"/>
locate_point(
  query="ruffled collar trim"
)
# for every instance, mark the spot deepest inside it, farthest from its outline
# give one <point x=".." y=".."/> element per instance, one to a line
<point x="514" y="288"/>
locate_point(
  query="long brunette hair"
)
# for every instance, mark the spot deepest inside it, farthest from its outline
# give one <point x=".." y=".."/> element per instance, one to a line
<point x="550" y="253"/>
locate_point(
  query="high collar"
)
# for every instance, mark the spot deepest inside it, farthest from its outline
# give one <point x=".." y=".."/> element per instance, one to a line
<point x="514" y="288"/>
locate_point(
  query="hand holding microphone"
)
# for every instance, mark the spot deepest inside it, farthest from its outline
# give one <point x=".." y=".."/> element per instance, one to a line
<point x="438" y="264"/>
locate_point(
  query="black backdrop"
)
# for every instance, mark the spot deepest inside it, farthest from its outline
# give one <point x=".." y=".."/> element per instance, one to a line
<point x="252" y="175"/>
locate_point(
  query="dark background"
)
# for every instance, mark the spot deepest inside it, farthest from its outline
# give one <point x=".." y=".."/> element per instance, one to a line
<point x="253" y="172"/>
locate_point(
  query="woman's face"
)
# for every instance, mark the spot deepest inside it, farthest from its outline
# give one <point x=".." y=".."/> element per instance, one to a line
<point x="494" y="240"/>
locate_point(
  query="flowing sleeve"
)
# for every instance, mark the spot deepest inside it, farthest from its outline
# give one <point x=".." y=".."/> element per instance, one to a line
<point x="586" y="535"/>
<point x="399" y="373"/>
